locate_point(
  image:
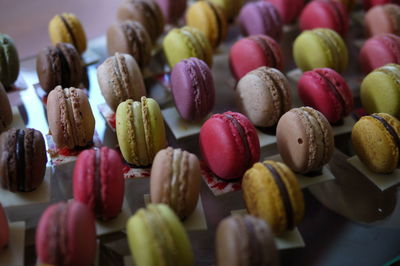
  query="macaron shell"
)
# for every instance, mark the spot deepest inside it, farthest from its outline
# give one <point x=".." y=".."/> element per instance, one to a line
<point x="288" y="9"/>
<point x="374" y="145"/>
<point x="204" y="44"/>
<point x="5" y="110"/>
<point x="382" y="19"/>
<point x="231" y="8"/>
<point x="4" y="229"/>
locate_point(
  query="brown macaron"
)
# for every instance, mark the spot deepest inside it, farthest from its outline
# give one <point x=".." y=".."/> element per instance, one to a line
<point x="23" y="159"/>
<point x="245" y="241"/>
<point x="147" y="12"/>
<point x="305" y="139"/>
<point x="6" y="116"/>
<point x="175" y="180"/>
<point x="130" y="37"/>
<point x="120" y="79"/>
<point x="71" y="120"/>
<point x="59" y="65"/>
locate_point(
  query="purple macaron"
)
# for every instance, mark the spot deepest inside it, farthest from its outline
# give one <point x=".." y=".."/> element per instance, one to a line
<point x="261" y="18"/>
<point x="193" y="89"/>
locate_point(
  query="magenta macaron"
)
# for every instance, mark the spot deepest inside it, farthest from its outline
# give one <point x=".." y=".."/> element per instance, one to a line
<point x="253" y="52"/>
<point x="192" y="87"/>
<point x="288" y="9"/>
<point x="260" y="17"/>
<point x="98" y="181"/>
<point x="326" y="91"/>
<point x="229" y="144"/>
<point x="379" y="51"/>
<point x="66" y="235"/>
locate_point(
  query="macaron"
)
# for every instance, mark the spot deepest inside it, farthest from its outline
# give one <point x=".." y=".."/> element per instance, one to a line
<point x="349" y="4"/>
<point x="146" y="12"/>
<point x="383" y="19"/>
<point x="192" y="88"/>
<point x="59" y="65"/>
<point x="9" y="61"/>
<point x="376" y="142"/>
<point x="172" y="9"/>
<point x="6" y="115"/>
<point x="289" y="10"/>
<point x="330" y="14"/>
<point x="245" y="240"/>
<point x="175" y="180"/>
<point x="255" y="51"/>
<point x="320" y="48"/>
<point x="98" y="182"/>
<point x="209" y="19"/>
<point x="130" y="37"/>
<point x="4" y="229"/>
<point x="66" y="235"/>
<point x="231" y="8"/>
<point x="263" y="95"/>
<point x="71" y="121"/>
<point x="378" y="51"/>
<point x="140" y="130"/>
<point x="120" y="79"/>
<point x="271" y="192"/>
<point x="67" y="28"/>
<point x="229" y="144"/>
<point x="380" y="90"/>
<point x="157" y="237"/>
<point x="326" y="91"/>
<point x="371" y="3"/>
<point x="23" y="159"/>
<point x="260" y="17"/>
<point x="186" y="42"/>
<point x="305" y="140"/>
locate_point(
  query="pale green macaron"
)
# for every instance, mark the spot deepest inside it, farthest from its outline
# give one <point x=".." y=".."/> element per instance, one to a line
<point x="380" y="90"/>
<point x="320" y="48"/>
<point x="140" y="130"/>
<point x="157" y="237"/>
<point x="186" y="42"/>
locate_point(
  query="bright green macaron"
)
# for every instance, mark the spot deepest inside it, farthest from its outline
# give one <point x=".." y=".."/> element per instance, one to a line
<point x="380" y="90"/>
<point x="140" y="130"/>
<point x="157" y="237"/>
<point x="320" y="48"/>
<point x="184" y="43"/>
<point x="9" y="62"/>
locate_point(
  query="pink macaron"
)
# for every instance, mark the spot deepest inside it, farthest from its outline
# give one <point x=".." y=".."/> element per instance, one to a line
<point x="326" y="91"/>
<point x="229" y="144"/>
<point x="66" y="235"/>
<point x="288" y="9"/>
<point x="4" y="229"/>
<point x="329" y="14"/>
<point x="260" y="17"/>
<point x="379" y="51"/>
<point x="98" y="181"/>
<point x="253" y="52"/>
<point x="382" y="19"/>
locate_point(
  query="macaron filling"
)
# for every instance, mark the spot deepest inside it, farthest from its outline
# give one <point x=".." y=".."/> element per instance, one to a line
<point x="65" y="70"/>
<point x="20" y="153"/>
<point x="98" y="206"/>
<point x="254" y="243"/>
<point x="176" y="180"/>
<point x="329" y="46"/>
<point x="390" y="129"/>
<point x="284" y="195"/>
<point x="120" y="86"/>
<point x="339" y="16"/>
<point x="69" y="30"/>
<point x="58" y="239"/>
<point x="265" y="46"/>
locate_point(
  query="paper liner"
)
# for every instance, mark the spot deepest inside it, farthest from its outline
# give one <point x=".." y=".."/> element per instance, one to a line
<point x="108" y="115"/>
<point x="196" y="221"/>
<point x="133" y="173"/>
<point x="40" y="195"/>
<point x="287" y="240"/>
<point x="14" y="254"/>
<point x="382" y="181"/>
<point x="218" y="186"/>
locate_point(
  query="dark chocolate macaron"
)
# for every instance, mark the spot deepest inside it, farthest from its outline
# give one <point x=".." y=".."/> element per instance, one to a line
<point x="23" y="159"/>
<point x="59" y="65"/>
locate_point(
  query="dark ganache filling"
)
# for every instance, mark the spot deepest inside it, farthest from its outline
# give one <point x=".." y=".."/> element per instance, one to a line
<point x="284" y="196"/>
<point x="65" y="70"/>
<point x="335" y="92"/>
<point x="254" y="244"/>
<point x="20" y="152"/>
<point x="389" y="128"/>
<point x="242" y="134"/>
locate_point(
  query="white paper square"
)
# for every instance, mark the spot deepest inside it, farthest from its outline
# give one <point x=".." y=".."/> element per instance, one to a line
<point x="90" y="57"/>
<point x="196" y="221"/>
<point x="116" y="224"/>
<point x="180" y="127"/>
<point x="134" y="173"/>
<point x="107" y="114"/>
<point x="13" y="255"/>
<point x="306" y="181"/>
<point x="40" y="195"/>
<point x="287" y="240"/>
<point x="382" y="181"/>
<point x="348" y="123"/>
<point x="294" y="75"/>
<point x="265" y="139"/>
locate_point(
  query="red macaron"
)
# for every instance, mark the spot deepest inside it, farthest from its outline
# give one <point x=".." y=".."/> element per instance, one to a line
<point x="98" y="181"/>
<point x="379" y="51"/>
<point x="330" y="14"/>
<point x="288" y="9"/>
<point x="229" y="144"/>
<point x="326" y="91"/>
<point x="253" y="52"/>
<point x="66" y="235"/>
